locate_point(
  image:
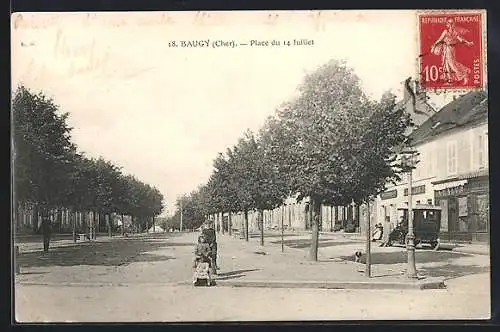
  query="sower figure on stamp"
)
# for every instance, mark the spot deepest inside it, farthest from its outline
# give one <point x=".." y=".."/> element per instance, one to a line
<point x="445" y="46"/>
<point x="46" y="229"/>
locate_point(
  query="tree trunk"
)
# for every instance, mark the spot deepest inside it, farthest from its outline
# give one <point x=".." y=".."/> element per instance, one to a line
<point x="35" y="219"/>
<point x="313" y="253"/>
<point x="222" y="222"/>
<point x="260" y="216"/>
<point x="108" y="223"/>
<point x="123" y="225"/>
<point x="73" y="224"/>
<point x="331" y="218"/>
<point x="336" y="215"/>
<point x="94" y="225"/>
<point x="358" y="217"/>
<point x="84" y="227"/>
<point x="230" y="224"/>
<point x="59" y="216"/>
<point x="246" y="225"/>
<point x="368" y="243"/>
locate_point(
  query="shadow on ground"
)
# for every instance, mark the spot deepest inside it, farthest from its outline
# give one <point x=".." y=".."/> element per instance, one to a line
<point x="306" y="243"/>
<point x="37" y="238"/>
<point x="452" y="271"/>
<point x="399" y="257"/>
<point x="234" y="274"/>
<point x="121" y="251"/>
<point x="252" y="236"/>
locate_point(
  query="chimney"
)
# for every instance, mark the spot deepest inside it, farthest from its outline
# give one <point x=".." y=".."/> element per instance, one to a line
<point x="406" y="93"/>
<point x="409" y="93"/>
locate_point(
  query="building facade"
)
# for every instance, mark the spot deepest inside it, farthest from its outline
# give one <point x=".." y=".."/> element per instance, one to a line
<point x="452" y="171"/>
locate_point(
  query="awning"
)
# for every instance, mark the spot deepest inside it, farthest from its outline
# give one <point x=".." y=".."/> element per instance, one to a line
<point x="475" y="174"/>
<point x="448" y="184"/>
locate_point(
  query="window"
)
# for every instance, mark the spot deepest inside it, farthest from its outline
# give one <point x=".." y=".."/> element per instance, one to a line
<point x="480" y="146"/>
<point x="429" y="163"/>
<point x="452" y="158"/>
<point x="486" y="157"/>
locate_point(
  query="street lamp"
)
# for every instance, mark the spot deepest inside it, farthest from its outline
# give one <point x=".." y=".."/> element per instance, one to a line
<point x="410" y="161"/>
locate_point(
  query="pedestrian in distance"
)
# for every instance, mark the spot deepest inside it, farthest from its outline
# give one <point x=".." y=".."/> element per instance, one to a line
<point x="46" y="228"/>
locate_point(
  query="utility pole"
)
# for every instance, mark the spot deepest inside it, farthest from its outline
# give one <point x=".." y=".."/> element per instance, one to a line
<point x="282" y="228"/>
<point x="73" y="215"/>
<point x="368" y="267"/>
<point x="180" y="227"/>
<point x="410" y="241"/>
<point x="260" y="215"/>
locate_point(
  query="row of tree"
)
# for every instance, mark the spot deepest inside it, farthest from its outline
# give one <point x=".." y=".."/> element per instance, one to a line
<point x="331" y="144"/>
<point x="49" y="173"/>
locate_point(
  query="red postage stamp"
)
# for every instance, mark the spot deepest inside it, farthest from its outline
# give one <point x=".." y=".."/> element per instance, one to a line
<point x="451" y="50"/>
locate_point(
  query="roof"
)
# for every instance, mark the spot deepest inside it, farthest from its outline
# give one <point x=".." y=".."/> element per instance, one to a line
<point x="422" y="109"/>
<point x="464" y="110"/>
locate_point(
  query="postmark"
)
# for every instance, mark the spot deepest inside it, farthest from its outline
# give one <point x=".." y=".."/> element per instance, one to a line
<point x="451" y="46"/>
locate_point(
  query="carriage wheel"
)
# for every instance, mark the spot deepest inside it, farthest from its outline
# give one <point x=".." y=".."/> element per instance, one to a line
<point x="402" y="239"/>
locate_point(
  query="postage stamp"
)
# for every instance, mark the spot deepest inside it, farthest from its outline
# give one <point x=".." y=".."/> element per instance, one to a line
<point x="451" y="46"/>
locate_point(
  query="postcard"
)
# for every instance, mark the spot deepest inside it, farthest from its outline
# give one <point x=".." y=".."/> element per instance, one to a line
<point x="221" y="166"/>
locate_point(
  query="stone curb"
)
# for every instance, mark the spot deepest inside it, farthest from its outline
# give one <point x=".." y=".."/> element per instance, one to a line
<point x="471" y="251"/>
<point x="93" y="284"/>
<point x="419" y="285"/>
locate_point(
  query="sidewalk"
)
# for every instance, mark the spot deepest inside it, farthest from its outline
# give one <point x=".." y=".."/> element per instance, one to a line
<point x="469" y="248"/>
<point x="34" y="243"/>
<point x="247" y="264"/>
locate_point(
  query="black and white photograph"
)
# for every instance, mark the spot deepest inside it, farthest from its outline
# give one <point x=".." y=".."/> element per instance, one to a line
<point x="229" y="166"/>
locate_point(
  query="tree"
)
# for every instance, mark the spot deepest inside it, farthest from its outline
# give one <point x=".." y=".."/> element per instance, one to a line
<point x="322" y="145"/>
<point x="193" y="209"/>
<point x="221" y="191"/>
<point x="254" y="178"/>
<point x="42" y="150"/>
<point x="49" y="172"/>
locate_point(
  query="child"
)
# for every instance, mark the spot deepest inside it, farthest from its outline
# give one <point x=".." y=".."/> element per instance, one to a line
<point x="202" y="253"/>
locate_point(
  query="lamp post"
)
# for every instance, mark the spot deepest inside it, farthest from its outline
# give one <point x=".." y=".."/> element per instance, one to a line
<point x="410" y="162"/>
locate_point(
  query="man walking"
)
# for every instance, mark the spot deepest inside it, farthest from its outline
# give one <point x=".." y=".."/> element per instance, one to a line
<point x="46" y="228"/>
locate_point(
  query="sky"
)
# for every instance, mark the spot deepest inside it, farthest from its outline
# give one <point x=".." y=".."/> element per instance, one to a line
<point x="164" y="113"/>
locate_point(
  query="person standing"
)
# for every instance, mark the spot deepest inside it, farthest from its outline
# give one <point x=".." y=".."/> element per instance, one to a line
<point x="46" y="228"/>
<point x="210" y="236"/>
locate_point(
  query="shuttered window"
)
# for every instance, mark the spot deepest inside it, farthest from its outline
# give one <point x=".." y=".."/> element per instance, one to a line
<point x="452" y="158"/>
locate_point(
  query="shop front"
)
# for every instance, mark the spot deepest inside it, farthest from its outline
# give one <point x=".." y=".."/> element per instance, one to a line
<point x="465" y="209"/>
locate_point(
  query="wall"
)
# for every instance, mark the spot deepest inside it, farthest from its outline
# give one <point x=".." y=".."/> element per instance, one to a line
<point x="457" y="152"/>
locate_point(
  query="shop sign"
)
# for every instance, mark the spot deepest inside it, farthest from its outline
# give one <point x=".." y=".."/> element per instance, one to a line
<point x="415" y="190"/>
<point x="454" y="191"/>
<point x="389" y="194"/>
